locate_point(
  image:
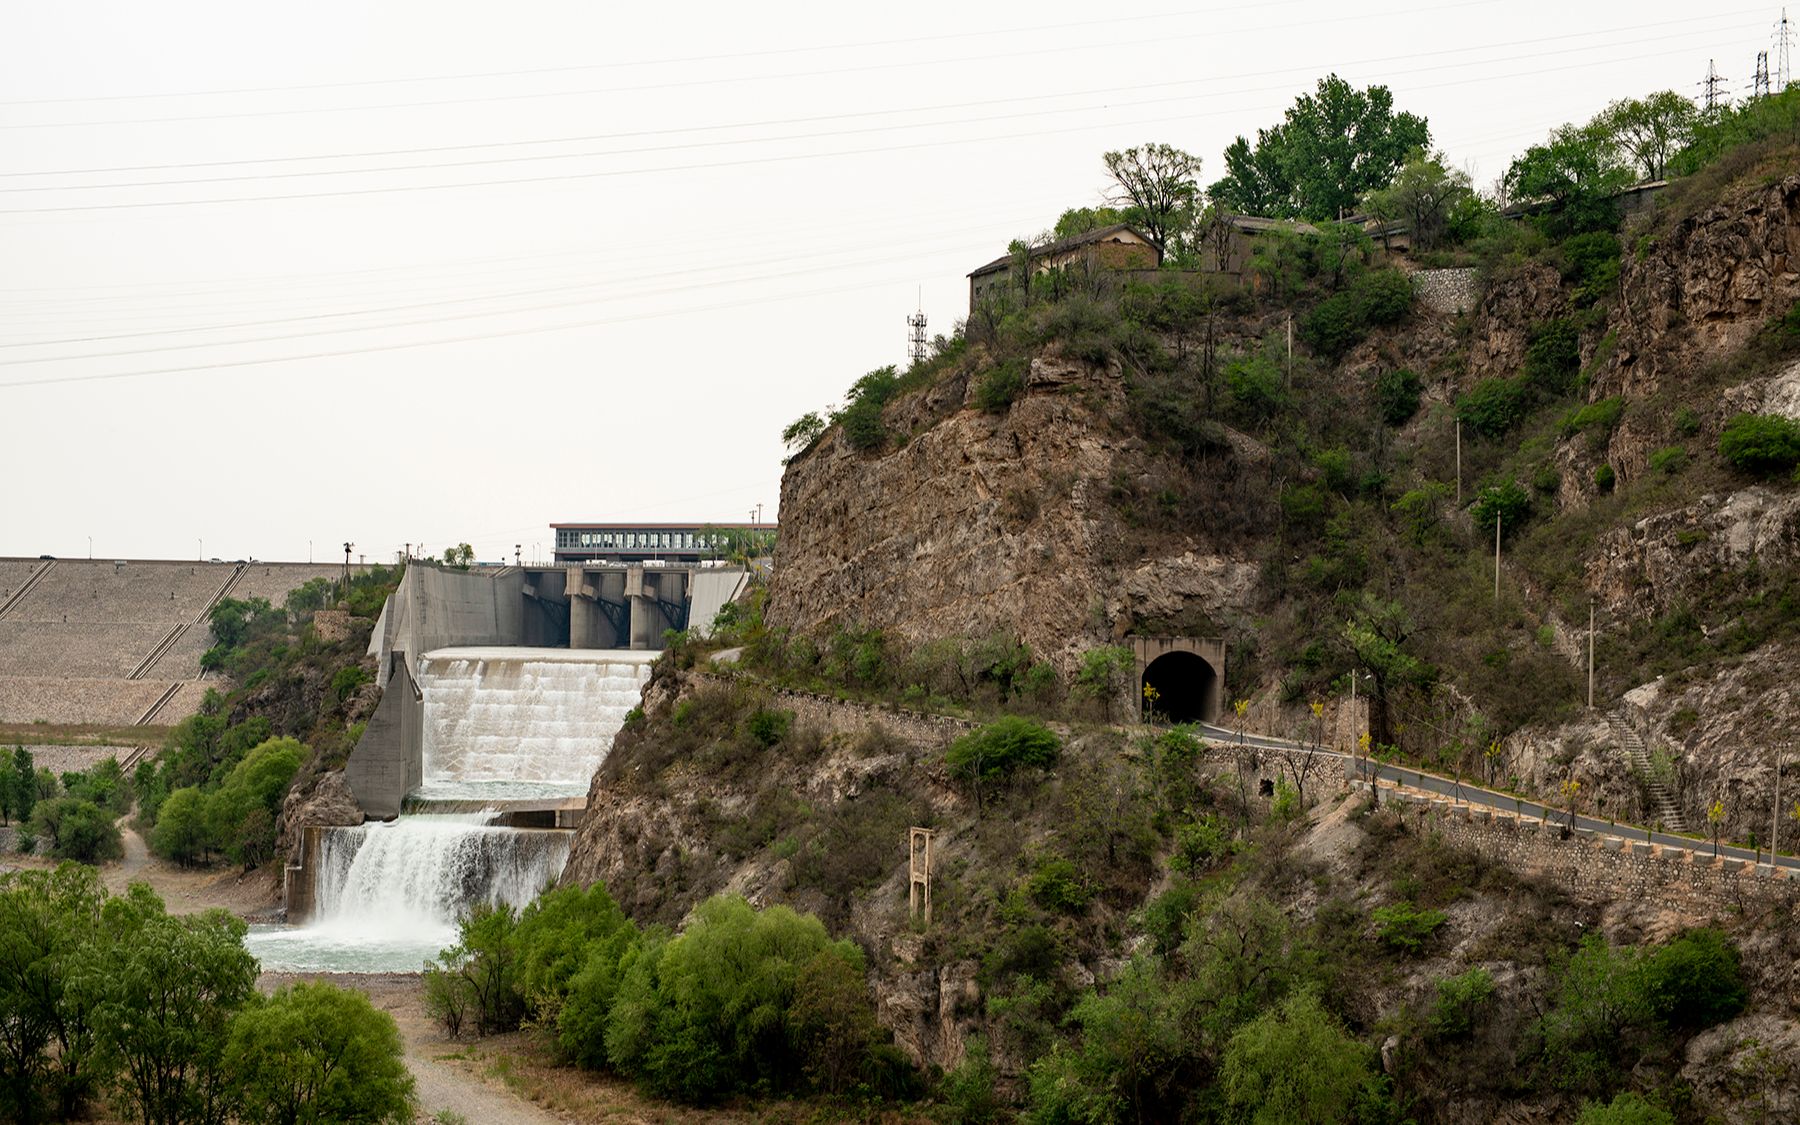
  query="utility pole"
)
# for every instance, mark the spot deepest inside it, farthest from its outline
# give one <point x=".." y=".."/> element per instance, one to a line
<point x="1713" y="98"/>
<point x="1459" y="462"/>
<point x="1775" y="810"/>
<point x="1759" y="82"/>
<point x="517" y="556"/>
<point x="347" y="546"/>
<point x="1496" y="556"/>
<point x="1590" y="654"/>
<point x="1290" y="349"/>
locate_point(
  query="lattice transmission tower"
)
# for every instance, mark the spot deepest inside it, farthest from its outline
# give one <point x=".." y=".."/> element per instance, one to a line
<point x="1712" y="89"/>
<point x="1759" y="82"/>
<point x="1784" y="40"/>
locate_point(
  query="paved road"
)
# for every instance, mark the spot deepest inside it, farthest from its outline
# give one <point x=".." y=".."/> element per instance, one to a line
<point x="1505" y="802"/>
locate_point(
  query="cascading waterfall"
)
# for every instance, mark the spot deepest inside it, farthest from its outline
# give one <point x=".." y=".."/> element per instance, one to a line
<point x="501" y="726"/>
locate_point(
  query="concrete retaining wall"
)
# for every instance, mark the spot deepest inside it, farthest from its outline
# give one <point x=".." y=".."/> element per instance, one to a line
<point x="385" y="766"/>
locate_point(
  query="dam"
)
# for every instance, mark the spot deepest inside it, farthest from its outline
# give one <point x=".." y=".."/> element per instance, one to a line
<point x="444" y="633"/>
<point x="508" y="735"/>
<point x="502" y="691"/>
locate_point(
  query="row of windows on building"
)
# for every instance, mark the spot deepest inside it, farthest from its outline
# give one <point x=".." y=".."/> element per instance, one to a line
<point x="636" y="540"/>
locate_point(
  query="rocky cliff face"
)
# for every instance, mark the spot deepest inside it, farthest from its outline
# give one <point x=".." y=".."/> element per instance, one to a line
<point x="993" y="523"/>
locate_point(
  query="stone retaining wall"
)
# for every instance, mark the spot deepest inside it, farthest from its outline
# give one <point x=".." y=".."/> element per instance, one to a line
<point x="1447" y="291"/>
<point x="1598" y="868"/>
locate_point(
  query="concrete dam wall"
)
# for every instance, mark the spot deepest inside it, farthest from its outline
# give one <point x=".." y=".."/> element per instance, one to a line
<point x="598" y="616"/>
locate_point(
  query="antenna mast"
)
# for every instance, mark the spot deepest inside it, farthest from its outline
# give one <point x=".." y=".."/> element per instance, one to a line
<point x="916" y="339"/>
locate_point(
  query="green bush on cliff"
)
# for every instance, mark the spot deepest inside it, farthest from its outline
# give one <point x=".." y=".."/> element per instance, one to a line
<point x="995" y="752"/>
<point x="1764" y="444"/>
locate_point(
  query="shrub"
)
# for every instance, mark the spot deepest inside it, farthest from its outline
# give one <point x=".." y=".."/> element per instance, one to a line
<point x="477" y="979"/>
<point x="967" y="1092"/>
<point x="995" y="390"/>
<point x="1340" y="321"/>
<point x="767" y="726"/>
<point x="1687" y="423"/>
<point x="1056" y="886"/>
<point x="1459" y="1000"/>
<point x="1397" y="395"/>
<point x="1509" y="502"/>
<point x="1293" y="1063"/>
<point x="996" y="751"/>
<point x="712" y="1012"/>
<point x="1764" y="444"/>
<point x="1202" y="843"/>
<point x="1626" y="1109"/>
<point x="314" y="1052"/>
<point x="1553" y="357"/>
<point x="1605" y="478"/>
<point x="1405" y="928"/>
<point x="76" y="829"/>
<point x="1696" y="980"/>
<point x="1602" y="417"/>
<point x="1669" y="460"/>
<point x="1492" y="406"/>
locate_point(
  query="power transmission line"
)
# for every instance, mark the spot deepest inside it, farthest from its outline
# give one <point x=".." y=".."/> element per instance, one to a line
<point x="785" y="158"/>
<point x="715" y="80"/>
<point x="820" y="118"/>
<point x="472" y="337"/>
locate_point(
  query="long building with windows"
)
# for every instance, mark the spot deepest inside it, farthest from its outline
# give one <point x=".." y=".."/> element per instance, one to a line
<point x="658" y="542"/>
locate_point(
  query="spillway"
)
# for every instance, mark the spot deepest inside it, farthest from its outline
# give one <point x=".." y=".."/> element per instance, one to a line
<point x="501" y="726"/>
<point x="503" y="723"/>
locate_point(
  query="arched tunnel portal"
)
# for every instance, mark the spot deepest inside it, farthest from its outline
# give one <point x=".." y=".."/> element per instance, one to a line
<point x="1180" y="679"/>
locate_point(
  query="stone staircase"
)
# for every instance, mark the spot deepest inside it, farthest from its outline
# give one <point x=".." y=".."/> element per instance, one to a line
<point x="1663" y="807"/>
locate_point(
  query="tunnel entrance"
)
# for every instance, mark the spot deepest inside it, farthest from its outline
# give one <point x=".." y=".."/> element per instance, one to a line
<point x="1180" y="687"/>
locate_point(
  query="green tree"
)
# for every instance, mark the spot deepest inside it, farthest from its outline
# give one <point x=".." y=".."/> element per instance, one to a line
<point x="48" y="921"/>
<point x="461" y="556"/>
<point x="168" y="989"/>
<point x="1081" y="220"/>
<point x="24" y="782"/>
<point x="1335" y="146"/>
<point x="478" y="977"/>
<point x="1600" y="1014"/>
<point x="1378" y="636"/>
<point x="1157" y="187"/>
<point x="709" y="1014"/>
<point x="1130" y="1059"/>
<point x="1651" y="129"/>
<point x="313" y="1054"/>
<point x="1104" y="674"/>
<point x="555" y="936"/>
<point x="1577" y="172"/>
<point x="1294" y="1066"/>
<point x="77" y="829"/>
<point x="181" y="832"/>
<point x="257" y="784"/>
<point x="1427" y="195"/>
<point x="1397" y="394"/>
<point x="1508" y="502"/>
<point x="1696" y="980"/>
<point x="830" y="1020"/>
<point x="1000" y="749"/>
<point x="802" y="432"/>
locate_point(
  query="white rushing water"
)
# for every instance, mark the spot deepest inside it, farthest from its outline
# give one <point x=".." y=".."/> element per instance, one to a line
<point x="508" y="723"/>
<point x="500" y="724"/>
<point x="388" y="896"/>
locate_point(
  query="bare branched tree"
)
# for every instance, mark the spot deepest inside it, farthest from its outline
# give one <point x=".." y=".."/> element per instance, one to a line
<point x="1158" y="185"/>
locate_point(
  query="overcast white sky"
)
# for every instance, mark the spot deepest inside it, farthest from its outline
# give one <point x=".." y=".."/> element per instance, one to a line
<point x="277" y="276"/>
